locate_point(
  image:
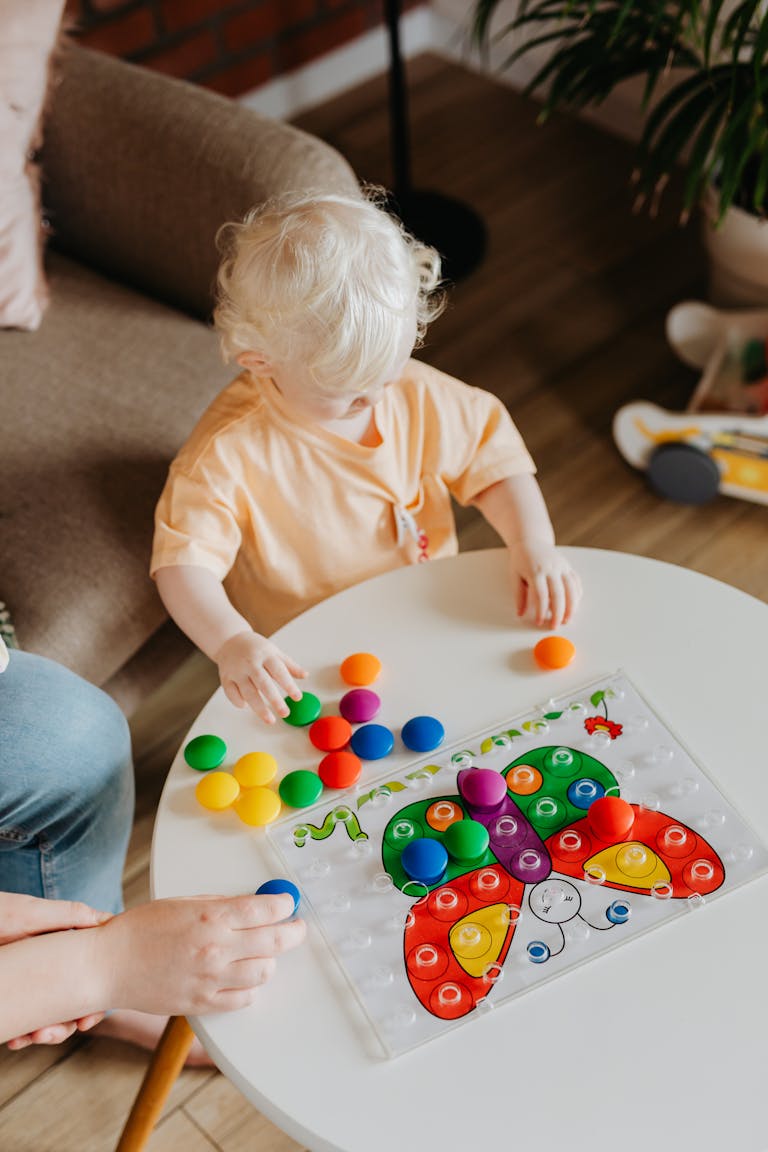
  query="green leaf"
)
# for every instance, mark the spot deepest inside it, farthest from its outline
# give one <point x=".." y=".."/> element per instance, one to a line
<point x="665" y="152"/>
<point x="714" y="114"/>
<point x="382" y="790"/>
<point x="545" y="69"/>
<point x="425" y="770"/>
<point x="759" y="49"/>
<point x="761" y="184"/>
<point x="624" y="12"/>
<point x="732" y="173"/>
<point x="552" y="715"/>
<point x="713" y="16"/>
<point x="481" y="24"/>
<point x="674" y="97"/>
<point x="701" y="159"/>
<point x="596" y="698"/>
<point x="739" y="140"/>
<point x="738" y="25"/>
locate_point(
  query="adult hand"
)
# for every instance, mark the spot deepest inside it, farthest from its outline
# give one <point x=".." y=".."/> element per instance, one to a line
<point x="22" y="916"/>
<point x="255" y="673"/>
<point x="548" y="587"/>
<point x="194" y="955"/>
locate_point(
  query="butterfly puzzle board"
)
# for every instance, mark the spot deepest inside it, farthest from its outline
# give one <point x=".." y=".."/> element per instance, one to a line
<point x="491" y="866"/>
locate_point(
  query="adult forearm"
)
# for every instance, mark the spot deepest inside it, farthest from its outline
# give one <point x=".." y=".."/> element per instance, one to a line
<point x="515" y="508"/>
<point x="195" y="598"/>
<point x="49" y="979"/>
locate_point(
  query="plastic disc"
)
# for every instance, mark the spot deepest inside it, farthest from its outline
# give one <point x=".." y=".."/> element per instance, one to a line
<point x="277" y="887"/>
<point x="360" y="705"/>
<point x="339" y="769"/>
<point x="205" y="752"/>
<point x="254" y="769"/>
<point x="372" y="742"/>
<point x="466" y="840"/>
<point x="422" y="733"/>
<point x="302" y="712"/>
<point x="329" y="733"/>
<point x="301" y="788"/>
<point x="257" y="806"/>
<point x="425" y="860"/>
<point x="360" y="668"/>
<point x="217" y="790"/>
<point x="483" y="788"/>
<point x="610" y="818"/>
<point x="554" y="652"/>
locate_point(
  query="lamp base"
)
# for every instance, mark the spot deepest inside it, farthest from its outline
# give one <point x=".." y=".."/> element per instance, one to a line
<point x="448" y="225"/>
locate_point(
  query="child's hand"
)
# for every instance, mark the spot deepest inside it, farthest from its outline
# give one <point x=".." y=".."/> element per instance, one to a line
<point x="548" y="588"/>
<point x="254" y="672"/>
<point x="195" y="955"/>
<point x="56" y="1033"/>
<point x="22" y="916"/>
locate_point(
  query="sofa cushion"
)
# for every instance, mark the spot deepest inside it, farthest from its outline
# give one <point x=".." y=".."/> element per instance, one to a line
<point x="27" y="36"/>
<point x="142" y="170"/>
<point x="96" y="404"/>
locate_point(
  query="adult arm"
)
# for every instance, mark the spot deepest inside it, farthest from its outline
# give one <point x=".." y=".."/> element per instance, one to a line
<point x="179" y="957"/>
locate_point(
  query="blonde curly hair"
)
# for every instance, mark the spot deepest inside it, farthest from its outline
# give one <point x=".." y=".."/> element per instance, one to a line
<point x="334" y="281"/>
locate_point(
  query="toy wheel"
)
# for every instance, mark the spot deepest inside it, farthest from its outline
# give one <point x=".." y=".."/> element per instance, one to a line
<point x="683" y="473"/>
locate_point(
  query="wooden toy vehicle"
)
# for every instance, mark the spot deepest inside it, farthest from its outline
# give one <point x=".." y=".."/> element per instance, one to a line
<point x="720" y="443"/>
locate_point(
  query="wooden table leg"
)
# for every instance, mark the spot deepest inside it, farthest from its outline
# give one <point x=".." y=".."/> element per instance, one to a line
<point x="166" y="1063"/>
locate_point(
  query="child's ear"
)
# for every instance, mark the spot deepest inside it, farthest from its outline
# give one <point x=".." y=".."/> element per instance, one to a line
<point x="255" y="362"/>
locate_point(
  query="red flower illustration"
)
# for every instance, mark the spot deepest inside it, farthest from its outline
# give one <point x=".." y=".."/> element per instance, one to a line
<point x="599" y="724"/>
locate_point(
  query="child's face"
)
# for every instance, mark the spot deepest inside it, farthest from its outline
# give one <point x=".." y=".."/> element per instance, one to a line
<point x="303" y="395"/>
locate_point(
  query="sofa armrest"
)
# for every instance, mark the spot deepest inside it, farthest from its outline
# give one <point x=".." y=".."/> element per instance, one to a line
<point x="140" y="170"/>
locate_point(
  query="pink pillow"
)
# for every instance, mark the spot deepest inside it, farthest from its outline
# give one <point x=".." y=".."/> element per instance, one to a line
<point x="28" y="31"/>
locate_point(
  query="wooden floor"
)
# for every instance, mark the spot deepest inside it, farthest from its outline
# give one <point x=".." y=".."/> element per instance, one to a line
<point x="564" y="321"/>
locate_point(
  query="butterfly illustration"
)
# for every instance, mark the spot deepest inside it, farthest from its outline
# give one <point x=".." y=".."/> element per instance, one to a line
<point x="551" y="817"/>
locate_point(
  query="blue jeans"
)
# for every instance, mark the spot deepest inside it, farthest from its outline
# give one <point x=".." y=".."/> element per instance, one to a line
<point x="66" y="785"/>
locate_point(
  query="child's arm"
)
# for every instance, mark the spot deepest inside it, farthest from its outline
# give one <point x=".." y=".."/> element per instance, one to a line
<point x="169" y="957"/>
<point x="252" y="669"/>
<point x="548" y="588"/>
<point x="22" y="916"/>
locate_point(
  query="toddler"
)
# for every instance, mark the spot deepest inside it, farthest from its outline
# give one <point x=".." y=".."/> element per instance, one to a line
<point x="333" y="456"/>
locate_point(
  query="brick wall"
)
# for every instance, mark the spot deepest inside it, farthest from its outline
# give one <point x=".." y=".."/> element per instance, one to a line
<point x="231" y="46"/>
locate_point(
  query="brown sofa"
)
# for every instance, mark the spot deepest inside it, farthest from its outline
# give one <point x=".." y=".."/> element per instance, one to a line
<point x="139" y="172"/>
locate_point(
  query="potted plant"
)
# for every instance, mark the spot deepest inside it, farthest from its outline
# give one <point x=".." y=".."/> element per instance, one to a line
<point x="704" y="100"/>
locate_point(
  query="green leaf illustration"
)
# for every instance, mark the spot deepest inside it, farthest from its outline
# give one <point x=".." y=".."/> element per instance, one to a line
<point x="382" y="790"/>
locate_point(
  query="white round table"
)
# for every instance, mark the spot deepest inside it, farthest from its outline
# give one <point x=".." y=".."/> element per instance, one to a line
<point x="658" y="1044"/>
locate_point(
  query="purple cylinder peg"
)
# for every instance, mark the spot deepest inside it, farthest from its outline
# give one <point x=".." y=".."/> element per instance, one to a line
<point x="482" y="788"/>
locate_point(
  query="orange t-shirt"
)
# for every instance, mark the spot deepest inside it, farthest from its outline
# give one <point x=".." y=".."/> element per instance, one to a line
<point x="287" y="513"/>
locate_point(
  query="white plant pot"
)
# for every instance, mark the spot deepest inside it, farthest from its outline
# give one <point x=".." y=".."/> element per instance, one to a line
<point x="738" y="256"/>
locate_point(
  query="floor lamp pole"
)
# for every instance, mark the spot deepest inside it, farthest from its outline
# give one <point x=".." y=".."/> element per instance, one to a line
<point x="451" y="227"/>
<point x="398" y="105"/>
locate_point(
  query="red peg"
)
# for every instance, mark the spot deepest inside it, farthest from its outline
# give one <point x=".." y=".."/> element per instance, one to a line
<point x="610" y="818"/>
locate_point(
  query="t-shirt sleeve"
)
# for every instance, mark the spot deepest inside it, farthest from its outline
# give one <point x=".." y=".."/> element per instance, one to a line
<point x="195" y="524"/>
<point x="478" y="443"/>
